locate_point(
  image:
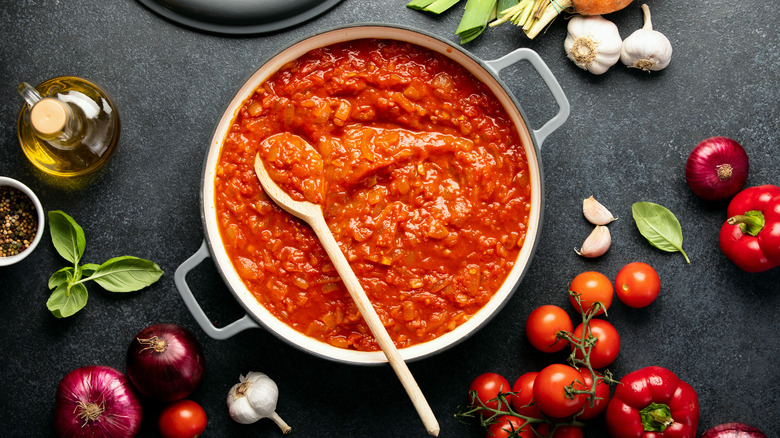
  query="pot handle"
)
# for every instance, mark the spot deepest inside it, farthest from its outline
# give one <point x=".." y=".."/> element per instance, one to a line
<point x="246" y="322"/>
<point x="529" y="55"/>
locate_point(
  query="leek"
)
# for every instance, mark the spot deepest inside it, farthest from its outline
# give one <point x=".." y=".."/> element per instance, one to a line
<point x="475" y="19"/>
<point x="434" y="6"/>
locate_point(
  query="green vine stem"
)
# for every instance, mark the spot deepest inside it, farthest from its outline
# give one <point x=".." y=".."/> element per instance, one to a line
<point x="488" y="415"/>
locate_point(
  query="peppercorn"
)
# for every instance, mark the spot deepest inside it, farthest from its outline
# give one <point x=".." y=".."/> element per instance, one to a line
<point x="19" y="221"/>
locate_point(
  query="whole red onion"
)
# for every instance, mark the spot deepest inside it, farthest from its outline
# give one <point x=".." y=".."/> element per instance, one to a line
<point x="165" y="362"/>
<point x="733" y="430"/>
<point x="96" y="402"/>
<point x="717" y="168"/>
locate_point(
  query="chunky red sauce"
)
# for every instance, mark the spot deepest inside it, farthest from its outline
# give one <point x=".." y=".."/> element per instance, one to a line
<point x="426" y="189"/>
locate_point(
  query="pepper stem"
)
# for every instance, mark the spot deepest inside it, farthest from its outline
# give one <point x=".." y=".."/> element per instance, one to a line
<point x="752" y="222"/>
<point x="656" y="417"/>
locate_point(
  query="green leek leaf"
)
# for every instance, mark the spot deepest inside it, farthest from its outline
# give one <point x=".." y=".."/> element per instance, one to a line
<point x="475" y="19"/>
<point x="419" y="4"/>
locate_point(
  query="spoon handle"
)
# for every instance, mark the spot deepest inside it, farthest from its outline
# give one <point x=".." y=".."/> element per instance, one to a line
<point x="317" y="222"/>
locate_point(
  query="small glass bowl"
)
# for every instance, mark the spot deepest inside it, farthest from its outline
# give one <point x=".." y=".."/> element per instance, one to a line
<point x="10" y="182"/>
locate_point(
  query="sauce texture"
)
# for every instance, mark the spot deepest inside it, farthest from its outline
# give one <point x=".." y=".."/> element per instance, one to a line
<point x="426" y="189"/>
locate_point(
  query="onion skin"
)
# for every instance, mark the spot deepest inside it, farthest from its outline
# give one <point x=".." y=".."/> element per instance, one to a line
<point x="165" y="362"/>
<point x="118" y="413"/>
<point x="733" y="430"/>
<point x="717" y="168"/>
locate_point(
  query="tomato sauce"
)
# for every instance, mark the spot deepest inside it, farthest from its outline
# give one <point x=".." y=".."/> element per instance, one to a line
<point x="425" y="187"/>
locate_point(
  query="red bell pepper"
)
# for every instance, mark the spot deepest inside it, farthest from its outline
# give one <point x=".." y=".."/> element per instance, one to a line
<point x="751" y="236"/>
<point x="653" y="403"/>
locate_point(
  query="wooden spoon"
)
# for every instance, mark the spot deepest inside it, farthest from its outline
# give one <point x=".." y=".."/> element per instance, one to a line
<point x="312" y="214"/>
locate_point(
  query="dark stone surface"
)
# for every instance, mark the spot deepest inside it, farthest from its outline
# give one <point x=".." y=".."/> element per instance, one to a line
<point x="627" y="140"/>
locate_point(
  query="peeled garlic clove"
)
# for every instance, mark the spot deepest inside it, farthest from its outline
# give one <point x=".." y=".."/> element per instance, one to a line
<point x="596" y="213"/>
<point x="597" y="243"/>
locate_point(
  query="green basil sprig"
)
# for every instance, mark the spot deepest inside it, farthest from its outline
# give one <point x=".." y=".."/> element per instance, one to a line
<point x="119" y="274"/>
<point x="659" y="226"/>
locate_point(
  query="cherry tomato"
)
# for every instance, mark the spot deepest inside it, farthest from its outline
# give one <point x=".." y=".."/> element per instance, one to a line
<point x="607" y="345"/>
<point x="508" y="426"/>
<point x="182" y="419"/>
<point x="637" y="284"/>
<point x="487" y="387"/>
<point x="592" y="286"/>
<point x="601" y="400"/>
<point x="560" y="431"/>
<point x="524" y="396"/>
<point x="550" y="390"/>
<point x="543" y="325"/>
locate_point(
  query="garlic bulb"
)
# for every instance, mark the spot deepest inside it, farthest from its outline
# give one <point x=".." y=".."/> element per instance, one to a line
<point x="646" y="49"/>
<point x="596" y="213"/>
<point x="597" y="243"/>
<point x="253" y="398"/>
<point x="593" y="43"/>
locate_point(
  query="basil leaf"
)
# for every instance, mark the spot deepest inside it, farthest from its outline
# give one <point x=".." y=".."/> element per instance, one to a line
<point x="659" y="226"/>
<point x="64" y="275"/>
<point x="126" y="274"/>
<point x="67" y="300"/>
<point x="67" y="236"/>
<point x="89" y="269"/>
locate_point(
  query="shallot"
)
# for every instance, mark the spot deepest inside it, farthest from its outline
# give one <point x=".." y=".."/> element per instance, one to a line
<point x="96" y="401"/>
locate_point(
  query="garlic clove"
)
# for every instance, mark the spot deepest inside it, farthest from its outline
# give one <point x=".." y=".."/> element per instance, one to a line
<point x="646" y="49"/>
<point x="597" y="243"/>
<point x="595" y="212"/>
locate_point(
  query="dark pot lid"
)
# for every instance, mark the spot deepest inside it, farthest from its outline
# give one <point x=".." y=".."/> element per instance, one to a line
<point x="239" y="16"/>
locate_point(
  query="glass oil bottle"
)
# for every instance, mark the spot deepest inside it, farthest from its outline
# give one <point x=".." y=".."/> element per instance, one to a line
<point x="68" y="126"/>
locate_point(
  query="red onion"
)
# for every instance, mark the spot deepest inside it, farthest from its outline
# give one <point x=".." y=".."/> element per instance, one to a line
<point x="733" y="430"/>
<point x="165" y="362"/>
<point x="717" y="168"/>
<point x="96" y="401"/>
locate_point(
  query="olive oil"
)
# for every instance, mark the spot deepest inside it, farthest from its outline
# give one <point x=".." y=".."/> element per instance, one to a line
<point x="68" y="126"/>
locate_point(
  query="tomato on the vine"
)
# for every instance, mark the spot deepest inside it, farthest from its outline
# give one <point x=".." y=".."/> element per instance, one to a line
<point x="523" y="396"/>
<point x="510" y="426"/>
<point x="182" y="419"/>
<point x="592" y="287"/>
<point x="543" y="325"/>
<point x="637" y="284"/>
<point x="606" y="347"/>
<point x="601" y="399"/>
<point x="487" y="386"/>
<point x="550" y="390"/>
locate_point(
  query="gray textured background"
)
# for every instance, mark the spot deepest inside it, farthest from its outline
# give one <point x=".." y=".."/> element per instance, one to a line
<point x="627" y="140"/>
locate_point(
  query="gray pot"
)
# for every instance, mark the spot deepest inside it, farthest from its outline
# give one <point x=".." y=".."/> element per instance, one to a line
<point x="487" y="72"/>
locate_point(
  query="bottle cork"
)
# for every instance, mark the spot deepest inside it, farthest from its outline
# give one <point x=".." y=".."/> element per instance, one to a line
<point x="49" y="116"/>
